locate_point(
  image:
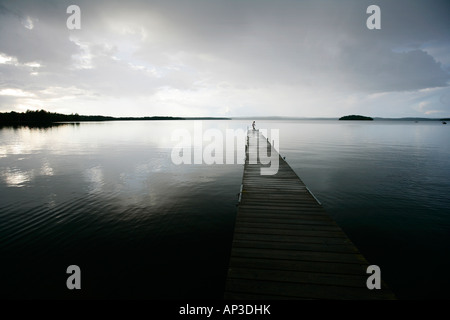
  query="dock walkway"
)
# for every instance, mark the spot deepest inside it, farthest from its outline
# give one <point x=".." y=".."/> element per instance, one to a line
<point x="285" y="245"/>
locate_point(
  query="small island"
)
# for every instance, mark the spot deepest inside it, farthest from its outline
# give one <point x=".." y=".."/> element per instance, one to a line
<point x="355" y="117"/>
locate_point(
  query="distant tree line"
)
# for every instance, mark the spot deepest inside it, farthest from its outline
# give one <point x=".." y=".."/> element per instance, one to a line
<point x="42" y="116"/>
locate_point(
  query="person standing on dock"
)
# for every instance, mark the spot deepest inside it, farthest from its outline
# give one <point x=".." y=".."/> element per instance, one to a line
<point x="253" y="125"/>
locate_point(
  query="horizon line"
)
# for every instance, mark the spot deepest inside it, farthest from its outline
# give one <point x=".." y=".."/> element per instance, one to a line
<point x="219" y="117"/>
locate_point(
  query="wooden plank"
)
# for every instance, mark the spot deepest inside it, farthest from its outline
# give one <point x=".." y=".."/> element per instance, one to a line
<point x="255" y="296"/>
<point x="287" y="290"/>
<point x="337" y="268"/>
<point x="300" y="246"/>
<point x="300" y="277"/>
<point x="287" y="226"/>
<point x="272" y="209"/>
<point x="314" y="222"/>
<point x="329" y="234"/>
<point x="298" y="255"/>
<point x="291" y="217"/>
<point x="325" y="241"/>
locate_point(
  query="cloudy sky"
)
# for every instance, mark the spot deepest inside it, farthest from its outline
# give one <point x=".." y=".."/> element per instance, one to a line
<point x="226" y="58"/>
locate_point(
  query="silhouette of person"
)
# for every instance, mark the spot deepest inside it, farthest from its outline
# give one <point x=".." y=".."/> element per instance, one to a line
<point x="253" y="125"/>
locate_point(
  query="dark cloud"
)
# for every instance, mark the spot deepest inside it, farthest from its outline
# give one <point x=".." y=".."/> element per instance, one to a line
<point x="445" y="98"/>
<point x="381" y="69"/>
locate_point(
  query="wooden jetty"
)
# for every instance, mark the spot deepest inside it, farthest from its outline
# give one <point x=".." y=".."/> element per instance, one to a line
<point x="285" y="245"/>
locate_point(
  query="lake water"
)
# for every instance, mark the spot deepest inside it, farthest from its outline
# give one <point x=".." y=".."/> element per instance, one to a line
<point x="108" y="198"/>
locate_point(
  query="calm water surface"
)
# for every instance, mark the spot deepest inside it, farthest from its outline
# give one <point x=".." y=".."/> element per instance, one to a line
<point x="387" y="184"/>
<point x="107" y="197"/>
